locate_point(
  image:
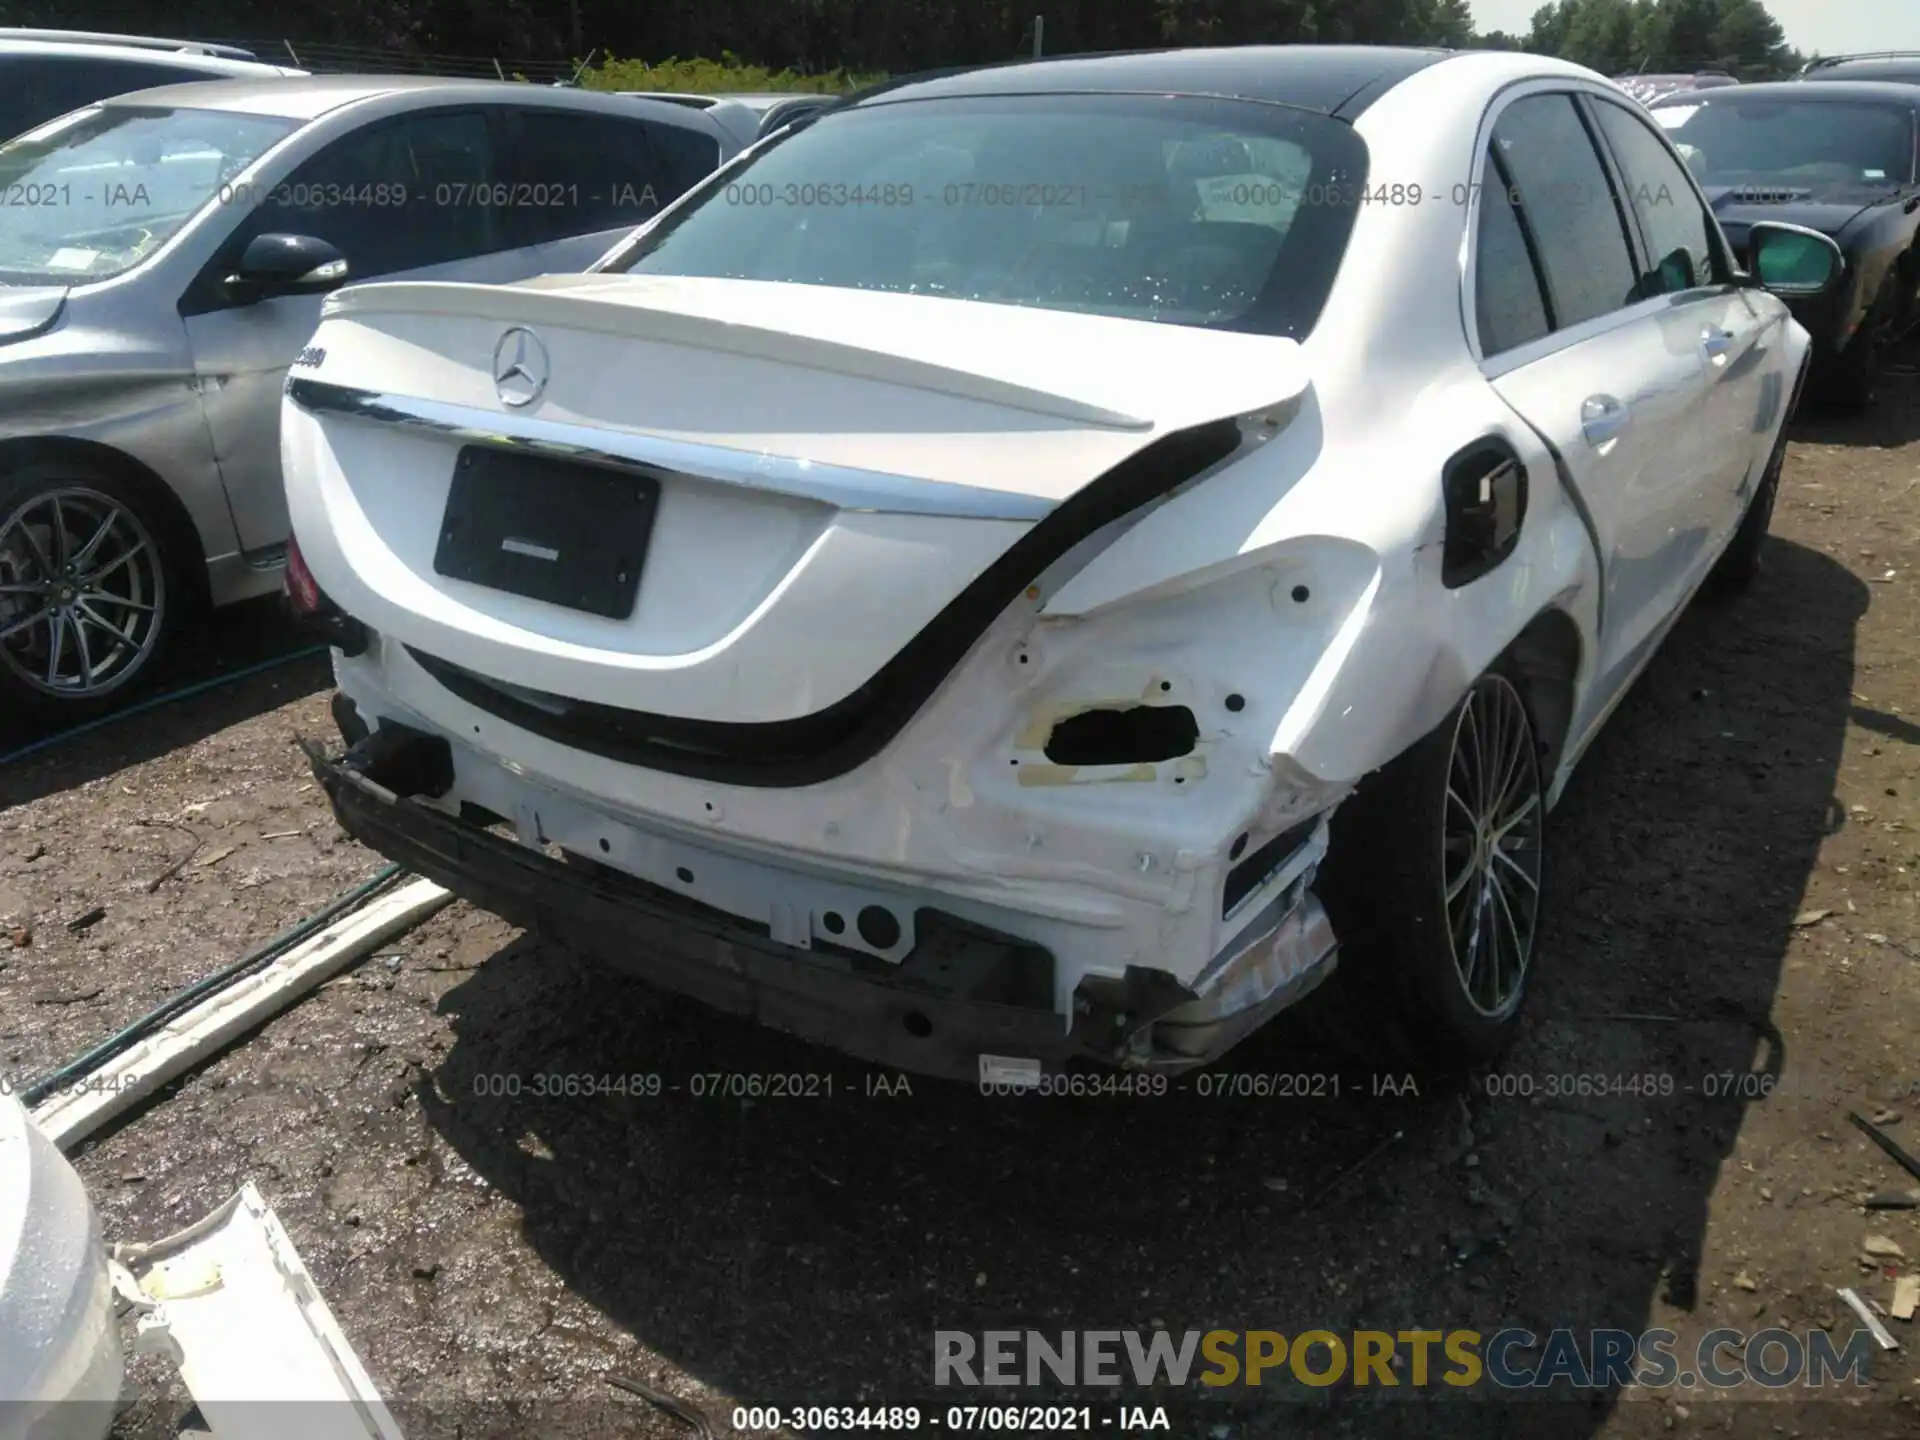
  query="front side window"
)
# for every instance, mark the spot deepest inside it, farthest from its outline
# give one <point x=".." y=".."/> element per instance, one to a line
<point x="1183" y="211"/>
<point x="1678" y="232"/>
<point x="1570" y="207"/>
<point x="397" y="195"/>
<point x="94" y="193"/>
<point x="1813" y="149"/>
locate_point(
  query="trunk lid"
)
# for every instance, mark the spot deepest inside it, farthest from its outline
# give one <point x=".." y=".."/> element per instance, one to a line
<point x="835" y="468"/>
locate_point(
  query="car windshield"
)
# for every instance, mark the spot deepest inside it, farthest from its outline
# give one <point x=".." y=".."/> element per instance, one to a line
<point x="1826" y="149"/>
<point x="1219" y="213"/>
<point x="95" y="192"/>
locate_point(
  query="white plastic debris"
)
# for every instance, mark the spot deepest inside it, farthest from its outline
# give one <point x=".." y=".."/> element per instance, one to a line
<point x="230" y="1303"/>
<point x="192" y="1036"/>
<point x="60" y="1368"/>
<point x="1882" y="1336"/>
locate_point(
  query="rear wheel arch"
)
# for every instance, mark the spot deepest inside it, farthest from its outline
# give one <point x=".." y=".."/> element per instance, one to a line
<point x="182" y="535"/>
<point x="1544" y="663"/>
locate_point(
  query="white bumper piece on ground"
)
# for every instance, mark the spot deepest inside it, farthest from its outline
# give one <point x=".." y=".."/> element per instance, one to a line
<point x="230" y="1303"/>
<point x="227" y="1300"/>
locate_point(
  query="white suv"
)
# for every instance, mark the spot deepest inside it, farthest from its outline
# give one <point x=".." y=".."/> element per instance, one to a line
<point x="44" y="73"/>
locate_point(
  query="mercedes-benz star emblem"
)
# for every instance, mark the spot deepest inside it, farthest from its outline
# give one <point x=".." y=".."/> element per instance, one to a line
<point x="520" y="367"/>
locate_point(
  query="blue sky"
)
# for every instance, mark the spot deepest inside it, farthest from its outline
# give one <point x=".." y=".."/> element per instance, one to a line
<point x="1824" y="25"/>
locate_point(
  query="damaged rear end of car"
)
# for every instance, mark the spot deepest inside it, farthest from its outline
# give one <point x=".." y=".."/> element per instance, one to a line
<point x="745" y="655"/>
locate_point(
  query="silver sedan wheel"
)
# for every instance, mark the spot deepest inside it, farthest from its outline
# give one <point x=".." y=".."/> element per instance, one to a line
<point x="82" y="593"/>
<point x="1490" y="846"/>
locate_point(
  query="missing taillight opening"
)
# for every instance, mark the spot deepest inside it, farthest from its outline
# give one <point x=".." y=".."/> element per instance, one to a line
<point x="1131" y="736"/>
<point x="303" y="591"/>
<point x="314" y="613"/>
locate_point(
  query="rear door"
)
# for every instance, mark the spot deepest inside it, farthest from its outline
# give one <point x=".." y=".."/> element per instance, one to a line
<point x="1740" y="332"/>
<point x="1608" y="377"/>
<point x="1613" y="381"/>
<point x="412" y="197"/>
<point x="583" y="179"/>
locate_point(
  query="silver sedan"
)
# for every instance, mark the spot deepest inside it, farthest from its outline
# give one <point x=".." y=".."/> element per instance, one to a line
<point x="162" y="262"/>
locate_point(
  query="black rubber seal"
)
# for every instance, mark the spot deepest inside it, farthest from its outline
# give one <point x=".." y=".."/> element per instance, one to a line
<point x="828" y="743"/>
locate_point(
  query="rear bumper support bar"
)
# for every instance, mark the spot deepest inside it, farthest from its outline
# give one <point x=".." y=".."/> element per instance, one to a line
<point x="904" y="1015"/>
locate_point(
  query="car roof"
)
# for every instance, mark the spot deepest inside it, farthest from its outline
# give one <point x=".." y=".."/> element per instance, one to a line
<point x="1900" y="69"/>
<point x="194" y="62"/>
<point x="1336" y="80"/>
<point x="676" y="97"/>
<point x="1826" y="93"/>
<point x="766" y="101"/>
<point x="756" y="101"/>
<point x="306" y="98"/>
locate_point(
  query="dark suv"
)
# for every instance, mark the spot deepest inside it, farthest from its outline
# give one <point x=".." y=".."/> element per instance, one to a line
<point x="1899" y="66"/>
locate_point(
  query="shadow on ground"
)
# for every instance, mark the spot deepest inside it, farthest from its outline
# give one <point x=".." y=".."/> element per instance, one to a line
<point x="807" y="1249"/>
<point x="244" y="661"/>
<point x="1893" y="422"/>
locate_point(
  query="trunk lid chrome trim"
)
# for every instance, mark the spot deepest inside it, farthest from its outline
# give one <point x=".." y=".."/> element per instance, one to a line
<point x="843" y="487"/>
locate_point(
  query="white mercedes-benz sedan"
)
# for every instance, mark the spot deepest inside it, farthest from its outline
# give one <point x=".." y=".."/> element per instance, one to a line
<point x="1040" y="564"/>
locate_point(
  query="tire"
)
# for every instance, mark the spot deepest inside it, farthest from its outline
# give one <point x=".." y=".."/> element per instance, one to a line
<point x="1740" y="563"/>
<point x="1399" y="996"/>
<point x="1853" y="379"/>
<point x="89" y="590"/>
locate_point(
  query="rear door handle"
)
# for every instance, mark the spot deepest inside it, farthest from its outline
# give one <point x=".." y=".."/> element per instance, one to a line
<point x="1602" y="418"/>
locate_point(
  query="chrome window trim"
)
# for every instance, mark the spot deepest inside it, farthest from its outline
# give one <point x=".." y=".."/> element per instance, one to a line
<point x="1508" y="361"/>
<point x="870" y="492"/>
<point x="1566" y="338"/>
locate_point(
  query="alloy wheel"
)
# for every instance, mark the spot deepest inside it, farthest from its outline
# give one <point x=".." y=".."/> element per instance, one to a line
<point x="82" y="592"/>
<point x="1491" y="846"/>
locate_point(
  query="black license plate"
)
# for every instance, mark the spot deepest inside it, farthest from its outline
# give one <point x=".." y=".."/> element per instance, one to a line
<point x="548" y="529"/>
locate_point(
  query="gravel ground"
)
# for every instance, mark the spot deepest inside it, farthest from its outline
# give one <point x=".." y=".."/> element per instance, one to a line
<point x="1732" y="917"/>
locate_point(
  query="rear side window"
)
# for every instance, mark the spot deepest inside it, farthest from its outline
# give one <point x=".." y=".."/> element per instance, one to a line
<point x="686" y="156"/>
<point x="1570" y="208"/>
<point x="1678" y="234"/>
<point x="1509" y="308"/>
<point x="576" y="174"/>
<point x="35" y="88"/>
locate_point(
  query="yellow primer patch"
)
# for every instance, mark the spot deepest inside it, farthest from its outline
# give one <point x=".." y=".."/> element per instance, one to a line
<point x="1039" y="775"/>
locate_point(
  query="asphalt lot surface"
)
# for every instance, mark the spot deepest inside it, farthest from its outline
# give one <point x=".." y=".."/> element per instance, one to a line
<point x="1731" y="917"/>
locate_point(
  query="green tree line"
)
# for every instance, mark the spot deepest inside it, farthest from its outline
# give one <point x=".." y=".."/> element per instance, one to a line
<point x="811" y="43"/>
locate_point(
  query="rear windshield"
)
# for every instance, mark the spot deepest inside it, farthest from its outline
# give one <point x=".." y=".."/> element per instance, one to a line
<point x="1828" y="148"/>
<point x="1218" y="213"/>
